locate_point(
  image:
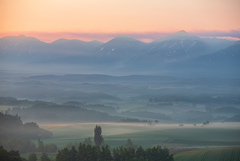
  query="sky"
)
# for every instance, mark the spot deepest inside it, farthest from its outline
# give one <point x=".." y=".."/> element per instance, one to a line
<point x="102" y="20"/>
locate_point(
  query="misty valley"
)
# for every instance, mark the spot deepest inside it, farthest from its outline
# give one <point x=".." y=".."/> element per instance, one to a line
<point x="176" y="98"/>
<point x="59" y="111"/>
<point x="80" y="98"/>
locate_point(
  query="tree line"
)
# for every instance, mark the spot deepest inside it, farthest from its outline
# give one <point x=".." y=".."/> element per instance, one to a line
<point x="202" y="99"/>
<point x="26" y="145"/>
<point x="101" y="152"/>
<point x="15" y="156"/>
<point x="96" y="153"/>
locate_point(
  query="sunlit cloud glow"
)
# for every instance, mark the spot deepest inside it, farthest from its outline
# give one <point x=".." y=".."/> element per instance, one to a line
<point x="104" y="20"/>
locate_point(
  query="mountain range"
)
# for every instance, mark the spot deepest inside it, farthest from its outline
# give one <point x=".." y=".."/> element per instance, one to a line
<point x="179" y="53"/>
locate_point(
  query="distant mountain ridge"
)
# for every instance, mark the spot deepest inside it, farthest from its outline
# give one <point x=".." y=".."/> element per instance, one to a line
<point x="181" y="35"/>
<point x="121" y="44"/>
<point x="123" y="54"/>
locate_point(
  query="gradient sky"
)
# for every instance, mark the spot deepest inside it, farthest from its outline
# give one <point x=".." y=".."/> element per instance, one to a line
<point x="145" y="20"/>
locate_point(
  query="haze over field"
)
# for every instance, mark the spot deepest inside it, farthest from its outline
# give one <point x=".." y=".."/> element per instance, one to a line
<point x="148" y="73"/>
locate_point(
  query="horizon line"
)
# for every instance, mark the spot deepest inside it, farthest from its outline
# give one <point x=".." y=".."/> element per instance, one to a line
<point x="147" y="37"/>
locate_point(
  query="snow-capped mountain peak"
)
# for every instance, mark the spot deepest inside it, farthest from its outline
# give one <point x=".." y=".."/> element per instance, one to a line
<point x="122" y="44"/>
<point x="180" y="35"/>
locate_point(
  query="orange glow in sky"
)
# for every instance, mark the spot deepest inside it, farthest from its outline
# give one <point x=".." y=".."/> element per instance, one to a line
<point x="31" y="17"/>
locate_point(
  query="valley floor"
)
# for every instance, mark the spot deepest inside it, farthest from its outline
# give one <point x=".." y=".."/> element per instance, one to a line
<point x="142" y="134"/>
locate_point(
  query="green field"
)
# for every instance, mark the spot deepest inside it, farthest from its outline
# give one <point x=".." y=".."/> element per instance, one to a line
<point x="169" y="135"/>
<point x="215" y="142"/>
<point x="210" y="154"/>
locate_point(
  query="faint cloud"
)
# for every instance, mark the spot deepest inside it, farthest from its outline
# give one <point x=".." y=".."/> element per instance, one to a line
<point x="233" y="34"/>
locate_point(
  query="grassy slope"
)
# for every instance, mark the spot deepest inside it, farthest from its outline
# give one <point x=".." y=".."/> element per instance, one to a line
<point x="185" y="137"/>
<point x="210" y="154"/>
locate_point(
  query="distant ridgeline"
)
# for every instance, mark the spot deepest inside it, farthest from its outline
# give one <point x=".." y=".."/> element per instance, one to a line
<point x="200" y="99"/>
<point x="12" y="126"/>
<point x="47" y="112"/>
<point x="222" y="108"/>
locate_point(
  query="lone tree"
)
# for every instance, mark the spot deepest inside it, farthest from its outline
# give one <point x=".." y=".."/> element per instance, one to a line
<point x="44" y="157"/>
<point x="129" y="144"/>
<point x="98" y="139"/>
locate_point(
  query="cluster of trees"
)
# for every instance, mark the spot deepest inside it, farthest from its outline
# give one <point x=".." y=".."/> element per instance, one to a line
<point x="26" y="145"/>
<point x="15" y="156"/>
<point x="14" y="135"/>
<point x="9" y="155"/>
<point x="132" y="120"/>
<point x="17" y="144"/>
<point x="149" y="122"/>
<point x="206" y="123"/>
<point x="13" y="126"/>
<point x="33" y="157"/>
<point x="129" y="144"/>
<point x="103" y="153"/>
<point x="94" y="152"/>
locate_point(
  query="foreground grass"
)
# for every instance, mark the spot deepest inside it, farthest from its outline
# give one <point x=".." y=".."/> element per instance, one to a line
<point x="210" y="154"/>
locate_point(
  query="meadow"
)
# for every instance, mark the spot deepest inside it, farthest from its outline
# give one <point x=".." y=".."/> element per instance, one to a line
<point x="170" y="135"/>
<point x="216" y="141"/>
<point x="210" y="154"/>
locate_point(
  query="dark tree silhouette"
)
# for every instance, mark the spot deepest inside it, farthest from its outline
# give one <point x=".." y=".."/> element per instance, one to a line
<point x="88" y="141"/>
<point x="129" y="143"/>
<point x="103" y="153"/>
<point x="67" y="155"/>
<point x="140" y="153"/>
<point x="98" y="139"/>
<point x="9" y="156"/>
<point x="44" y="157"/>
<point x="41" y="146"/>
<point x="32" y="157"/>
